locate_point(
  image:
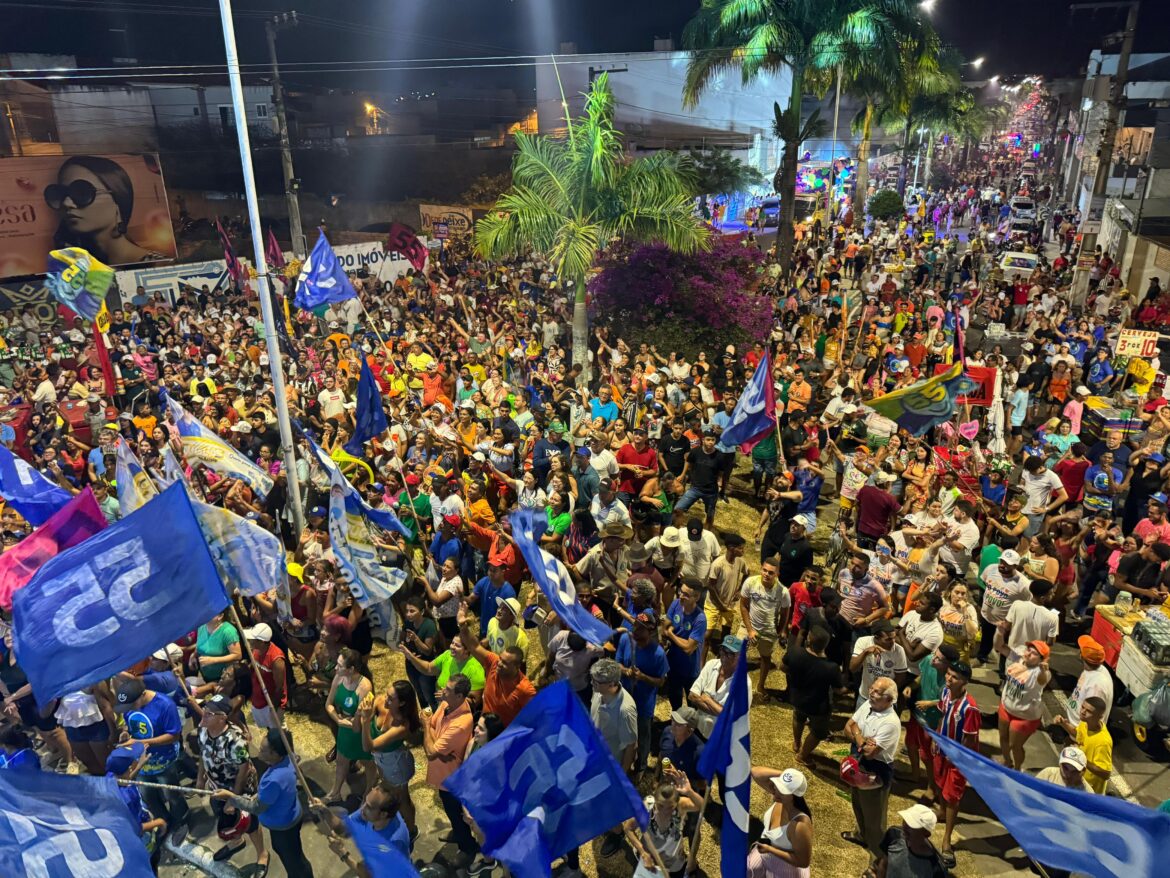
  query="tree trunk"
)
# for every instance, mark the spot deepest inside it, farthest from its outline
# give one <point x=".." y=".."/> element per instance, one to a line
<point x="785" y="180"/>
<point x="904" y="168"/>
<point x="929" y="156"/>
<point x="581" y="329"/>
<point x="861" y="181"/>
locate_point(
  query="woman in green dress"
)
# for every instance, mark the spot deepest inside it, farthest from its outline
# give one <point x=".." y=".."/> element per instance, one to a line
<point x="348" y="691"/>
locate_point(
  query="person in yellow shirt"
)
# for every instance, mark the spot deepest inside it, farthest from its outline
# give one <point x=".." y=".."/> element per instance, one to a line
<point x="502" y="630"/>
<point x="1092" y="737"/>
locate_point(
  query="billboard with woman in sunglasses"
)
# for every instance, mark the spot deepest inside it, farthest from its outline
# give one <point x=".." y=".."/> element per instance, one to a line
<point x="113" y="206"/>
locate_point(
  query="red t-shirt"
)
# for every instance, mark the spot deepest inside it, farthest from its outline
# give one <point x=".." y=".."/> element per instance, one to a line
<point x="1072" y="476"/>
<point x="631" y="456"/>
<point x="267" y="661"/>
<point x="802" y="599"/>
<point x="875" y="508"/>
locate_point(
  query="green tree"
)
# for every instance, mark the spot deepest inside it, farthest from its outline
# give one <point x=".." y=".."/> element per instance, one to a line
<point x="572" y="195"/>
<point x="885" y="204"/>
<point x="717" y="172"/>
<point x="805" y="37"/>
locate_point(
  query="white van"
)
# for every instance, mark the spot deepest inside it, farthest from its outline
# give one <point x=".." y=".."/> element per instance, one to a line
<point x="1015" y="262"/>
<point x="1023" y="208"/>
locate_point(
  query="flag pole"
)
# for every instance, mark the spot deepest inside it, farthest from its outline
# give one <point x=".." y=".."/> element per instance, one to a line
<point x="268" y="697"/>
<point x="275" y="367"/>
<point x="693" y="853"/>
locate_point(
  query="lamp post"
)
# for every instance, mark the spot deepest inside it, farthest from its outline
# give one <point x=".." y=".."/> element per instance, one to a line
<point x="275" y="368"/>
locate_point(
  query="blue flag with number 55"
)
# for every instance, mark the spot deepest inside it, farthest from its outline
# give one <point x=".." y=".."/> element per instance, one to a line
<point x="545" y="786"/>
<point x="112" y="600"/>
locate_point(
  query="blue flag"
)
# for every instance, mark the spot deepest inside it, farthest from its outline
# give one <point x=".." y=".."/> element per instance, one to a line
<point x="204" y="446"/>
<point x="27" y="491"/>
<point x="754" y="416"/>
<point x="729" y="752"/>
<point x="103" y="605"/>
<point x="132" y="480"/>
<point x="546" y="785"/>
<point x="1066" y="828"/>
<point x="248" y="557"/>
<point x="355" y="503"/>
<point x="322" y="279"/>
<point x="382" y="859"/>
<point x="552" y="577"/>
<point x="63" y="826"/>
<point x="370" y="418"/>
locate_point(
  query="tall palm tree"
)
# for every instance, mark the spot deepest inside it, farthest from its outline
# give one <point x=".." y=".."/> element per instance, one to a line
<point x="806" y="37"/>
<point x="572" y="195"/>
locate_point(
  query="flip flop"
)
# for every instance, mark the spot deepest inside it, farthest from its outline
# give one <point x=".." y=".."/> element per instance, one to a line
<point x="853" y="838"/>
<point x="948" y="859"/>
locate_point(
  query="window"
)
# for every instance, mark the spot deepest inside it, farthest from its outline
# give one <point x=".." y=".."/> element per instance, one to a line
<point x="262" y="111"/>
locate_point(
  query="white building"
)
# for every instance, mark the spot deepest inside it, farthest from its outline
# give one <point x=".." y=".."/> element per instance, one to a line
<point x="649" y="111"/>
<point x="210" y="106"/>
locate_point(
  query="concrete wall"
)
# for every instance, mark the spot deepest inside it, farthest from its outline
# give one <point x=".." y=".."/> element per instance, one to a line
<point x="179" y="105"/>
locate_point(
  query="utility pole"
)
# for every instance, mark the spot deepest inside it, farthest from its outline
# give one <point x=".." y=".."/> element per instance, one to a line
<point x="263" y="281"/>
<point x="291" y="183"/>
<point x="1116" y="104"/>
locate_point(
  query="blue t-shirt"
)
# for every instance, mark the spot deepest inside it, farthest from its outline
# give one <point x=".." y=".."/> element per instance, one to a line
<point x="97" y="459"/>
<point x="993" y="494"/>
<point x="692" y="626"/>
<point x="809" y="485"/>
<point x="278" y="791"/>
<point x="650" y="660"/>
<point x="608" y="411"/>
<point x="442" y="550"/>
<point x="159" y="716"/>
<point x="1099" y="371"/>
<point x="133" y="800"/>
<point x="393" y="833"/>
<point x="22" y="759"/>
<point x="489" y="599"/>
<point x="685" y="756"/>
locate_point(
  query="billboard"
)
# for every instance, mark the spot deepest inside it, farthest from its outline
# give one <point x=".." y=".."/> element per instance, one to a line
<point x="114" y="206"/>
<point x="460" y="219"/>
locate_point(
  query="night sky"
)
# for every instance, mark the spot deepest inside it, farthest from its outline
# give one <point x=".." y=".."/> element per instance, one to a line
<point x="1016" y="37"/>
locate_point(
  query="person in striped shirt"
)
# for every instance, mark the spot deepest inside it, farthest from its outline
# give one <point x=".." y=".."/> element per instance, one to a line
<point x="960" y="721"/>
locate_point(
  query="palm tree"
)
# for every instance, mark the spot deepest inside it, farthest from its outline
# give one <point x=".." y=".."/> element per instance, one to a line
<point x="806" y="37"/>
<point x="572" y="195"/>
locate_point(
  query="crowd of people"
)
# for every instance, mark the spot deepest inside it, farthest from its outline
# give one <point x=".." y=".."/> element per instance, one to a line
<point x="934" y="554"/>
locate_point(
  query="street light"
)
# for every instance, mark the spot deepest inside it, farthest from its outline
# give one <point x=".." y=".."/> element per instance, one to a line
<point x="927" y="6"/>
<point x="994" y="80"/>
<point x="977" y="63"/>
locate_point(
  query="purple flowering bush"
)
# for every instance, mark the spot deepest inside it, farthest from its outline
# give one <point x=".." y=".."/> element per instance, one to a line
<point x="688" y="303"/>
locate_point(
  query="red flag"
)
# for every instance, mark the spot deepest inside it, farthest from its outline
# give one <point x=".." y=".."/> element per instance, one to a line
<point x="402" y="239"/>
<point x="272" y="251"/>
<point x="72" y="524"/>
<point x="234" y="269"/>
<point x="103" y="355"/>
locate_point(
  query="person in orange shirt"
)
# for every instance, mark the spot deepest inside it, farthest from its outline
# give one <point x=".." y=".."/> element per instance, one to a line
<point x="446" y="734"/>
<point x="799" y="393"/>
<point x="506" y="688"/>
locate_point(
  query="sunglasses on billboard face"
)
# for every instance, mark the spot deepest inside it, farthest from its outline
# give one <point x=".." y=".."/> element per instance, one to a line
<point x="81" y="192"/>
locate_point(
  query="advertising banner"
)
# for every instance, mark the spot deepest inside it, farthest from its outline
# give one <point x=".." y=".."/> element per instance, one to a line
<point x="115" y="207"/>
<point x="167" y="279"/>
<point x="460" y="219"/>
<point x="1137" y="343"/>
<point x="373" y="256"/>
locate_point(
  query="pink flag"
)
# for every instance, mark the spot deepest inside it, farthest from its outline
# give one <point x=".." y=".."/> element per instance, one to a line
<point x="272" y="251"/>
<point x="73" y="523"/>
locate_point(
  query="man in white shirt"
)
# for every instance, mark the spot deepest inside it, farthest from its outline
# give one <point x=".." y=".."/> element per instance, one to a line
<point x="1030" y="620"/>
<point x="1004" y="585"/>
<point x="331" y="399"/>
<point x="874" y="731"/>
<point x="1044" y="493"/>
<point x="961" y="537"/>
<point x="710" y="690"/>
<point x="764" y="607"/>
<point x="920" y="632"/>
<point x="1095" y="679"/>
<point x="877" y="655"/>
<point x="602" y="459"/>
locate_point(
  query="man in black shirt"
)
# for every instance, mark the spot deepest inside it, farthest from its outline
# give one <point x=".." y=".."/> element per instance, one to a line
<point x="673" y="449"/>
<point x="828" y="616"/>
<point x="796" y="553"/>
<point x="702" y="471"/>
<point x="812" y="677"/>
<point x="503" y="421"/>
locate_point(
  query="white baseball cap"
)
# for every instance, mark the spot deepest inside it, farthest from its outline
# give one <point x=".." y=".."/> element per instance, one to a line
<point x="1074" y="756"/>
<point x="1010" y="556"/>
<point x="261" y="631"/>
<point x="919" y="817"/>
<point x="172" y="652"/>
<point x="791" y="782"/>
